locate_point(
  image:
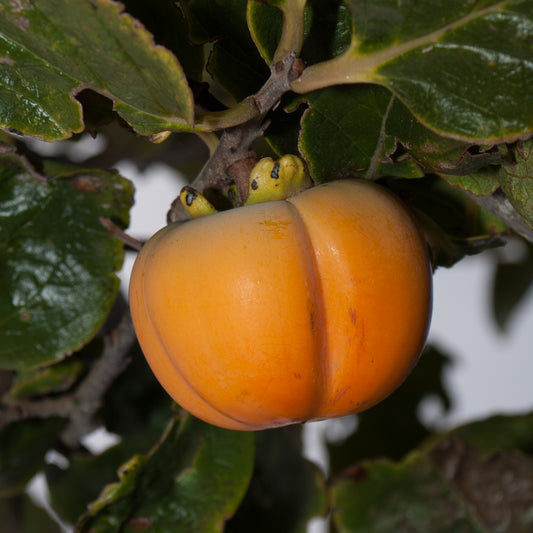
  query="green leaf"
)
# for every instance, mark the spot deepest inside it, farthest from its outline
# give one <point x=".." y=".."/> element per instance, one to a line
<point x="327" y="28"/>
<point x="342" y="128"/>
<point x="434" y="153"/>
<point x="450" y="485"/>
<point x="23" y="446"/>
<point x="462" y="68"/>
<point x="365" y="131"/>
<point x="266" y="23"/>
<point x="234" y="61"/>
<point x="192" y="481"/>
<point x="165" y="20"/>
<point x="286" y="490"/>
<point x="57" y="260"/>
<point x="50" y="50"/>
<point x="516" y="179"/>
<point x="480" y="183"/>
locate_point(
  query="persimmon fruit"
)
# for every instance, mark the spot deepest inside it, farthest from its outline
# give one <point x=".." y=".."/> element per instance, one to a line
<point x="308" y="308"/>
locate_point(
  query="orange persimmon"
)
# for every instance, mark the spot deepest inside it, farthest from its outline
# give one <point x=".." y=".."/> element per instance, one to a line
<point x="287" y="311"/>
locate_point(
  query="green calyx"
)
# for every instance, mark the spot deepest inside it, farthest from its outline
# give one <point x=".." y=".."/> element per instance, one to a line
<point x="276" y="180"/>
<point x="195" y="204"/>
<point x="269" y="180"/>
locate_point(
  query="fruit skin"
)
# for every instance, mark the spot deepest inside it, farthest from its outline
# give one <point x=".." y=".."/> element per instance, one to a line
<point x="308" y="308"/>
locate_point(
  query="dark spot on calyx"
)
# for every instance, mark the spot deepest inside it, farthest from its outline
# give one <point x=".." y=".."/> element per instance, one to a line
<point x="275" y="171"/>
<point x="254" y="185"/>
<point x="190" y="198"/>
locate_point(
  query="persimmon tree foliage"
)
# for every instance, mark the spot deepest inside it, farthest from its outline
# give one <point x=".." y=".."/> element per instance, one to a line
<point x="431" y="99"/>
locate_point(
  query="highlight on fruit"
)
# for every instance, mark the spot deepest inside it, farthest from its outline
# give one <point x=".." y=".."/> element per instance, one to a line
<point x="284" y="311"/>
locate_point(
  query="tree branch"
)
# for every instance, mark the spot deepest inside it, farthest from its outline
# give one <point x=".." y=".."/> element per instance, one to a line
<point x="233" y="157"/>
<point x="81" y="406"/>
<point x="89" y="395"/>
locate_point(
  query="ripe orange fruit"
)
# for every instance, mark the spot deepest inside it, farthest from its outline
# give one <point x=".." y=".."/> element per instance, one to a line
<point x="308" y="308"/>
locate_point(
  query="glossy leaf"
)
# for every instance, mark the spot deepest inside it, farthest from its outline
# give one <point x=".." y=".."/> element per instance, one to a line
<point x="433" y="153"/>
<point x="286" y="490"/>
<point x="57" y="260"/>
<point x="341" y="130"/>
<point x="23" y="446"/>
<point x="364" y="131"/>
<point x="462" y="68"/>
<point x="192" y="481"/>
<point x="450" y="485"/>
<point x="50" y="50"/>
